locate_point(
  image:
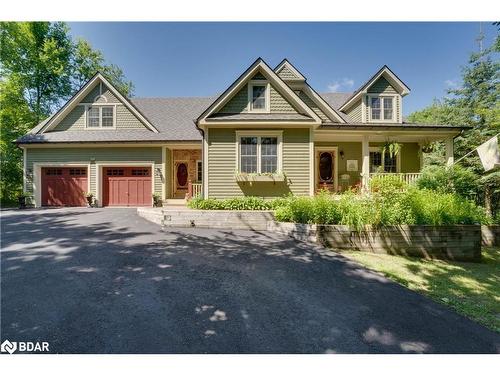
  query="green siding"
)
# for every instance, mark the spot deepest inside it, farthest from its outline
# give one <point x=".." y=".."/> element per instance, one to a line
<point x="410" y="158"/>
<point x="239" y="102"/>
<point x="99" y="154"/>
<point x="279" y="104"/>
<point x="286" y="73"/>
<point x="381" y="86"/>
<point x="75" y="120"/>
<point x="356" y="112"/>
<point x="222" y="166"/>
<point x="311" y="104"/>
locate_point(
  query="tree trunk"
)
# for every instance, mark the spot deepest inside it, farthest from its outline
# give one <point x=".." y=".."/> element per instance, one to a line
<point x="487" y="200"/>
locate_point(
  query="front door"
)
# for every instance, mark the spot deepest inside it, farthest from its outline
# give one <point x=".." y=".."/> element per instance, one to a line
<point x="326" y="171"/>
<point x="181" y="179"/>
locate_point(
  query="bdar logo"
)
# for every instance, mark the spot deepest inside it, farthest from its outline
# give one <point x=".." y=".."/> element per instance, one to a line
<point x="8" y="346"/>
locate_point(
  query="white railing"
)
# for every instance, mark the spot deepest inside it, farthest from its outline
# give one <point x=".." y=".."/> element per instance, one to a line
<point x="409" y="178"/>
<point x="196" y="189"/>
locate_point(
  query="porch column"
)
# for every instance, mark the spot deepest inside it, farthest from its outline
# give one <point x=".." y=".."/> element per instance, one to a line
<point x="365" y="163"/>
<point x="449" y="152"/>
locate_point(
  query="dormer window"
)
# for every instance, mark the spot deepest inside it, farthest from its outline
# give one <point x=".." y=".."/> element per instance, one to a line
<point x="259" y="97"/>
<point x="381" y="108"/>
<point x="100" y="116"/>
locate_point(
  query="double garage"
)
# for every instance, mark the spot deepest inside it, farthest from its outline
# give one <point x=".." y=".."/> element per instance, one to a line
<point x="119" y="185"/>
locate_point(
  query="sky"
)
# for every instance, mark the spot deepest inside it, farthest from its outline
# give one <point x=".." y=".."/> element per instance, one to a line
<point x="203" y="59"/>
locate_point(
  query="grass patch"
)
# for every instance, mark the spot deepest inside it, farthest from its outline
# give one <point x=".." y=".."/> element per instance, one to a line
<point x="472" y="289"/>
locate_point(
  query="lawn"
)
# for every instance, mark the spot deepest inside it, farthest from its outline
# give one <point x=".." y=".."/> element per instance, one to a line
<point x="472" y="289"/>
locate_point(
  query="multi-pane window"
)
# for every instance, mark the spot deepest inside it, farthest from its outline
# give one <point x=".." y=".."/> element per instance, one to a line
<point x="258" y="97"/>
<point x="78" y="172"/>
<point x="93" y="117"/>
<point x="140" y="172"/>
<point x="100" y="116"/>
<point x="248" y="154"/>
<point x="388" y="110"/>
<point x="259" y="154"/>
<point x="375" y="108"/>
<point x="199" y="171"/>
<point x="376" y="160"/>
<point x="269" y="154"/>
<point x="107" y="116"/>
<point x="115" y="172"/>
<point x="382" y="108"/>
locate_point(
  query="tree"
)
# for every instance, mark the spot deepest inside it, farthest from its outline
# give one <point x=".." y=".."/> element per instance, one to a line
<point x="87" y="61"/>
<point x="40" y="67"/>
<point x="38" y="54"/>
<point x="475" y="103"/>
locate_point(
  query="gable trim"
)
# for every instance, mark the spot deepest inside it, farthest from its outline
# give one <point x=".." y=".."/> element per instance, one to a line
<point x="272" y="77"/>
<point x="75" y="100"/>
<point x="390" y="76"/>
<point x="289" y="65"/>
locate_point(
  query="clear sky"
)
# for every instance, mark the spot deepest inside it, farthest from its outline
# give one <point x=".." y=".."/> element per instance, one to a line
<point x="202" y="59"/>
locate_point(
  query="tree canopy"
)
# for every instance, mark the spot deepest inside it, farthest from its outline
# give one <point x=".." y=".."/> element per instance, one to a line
<point x="41" y="66"/>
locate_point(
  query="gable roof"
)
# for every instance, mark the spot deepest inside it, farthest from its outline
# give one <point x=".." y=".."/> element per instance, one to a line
<point x="393" y="79"/>
<point x="324" y="107"/>
<point x="287" y="65"/>
<point x="53" y="120"/>
<point x="273" y="78"/>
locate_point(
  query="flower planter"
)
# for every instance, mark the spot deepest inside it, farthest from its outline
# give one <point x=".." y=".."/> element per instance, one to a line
<point x="260" y="178"/>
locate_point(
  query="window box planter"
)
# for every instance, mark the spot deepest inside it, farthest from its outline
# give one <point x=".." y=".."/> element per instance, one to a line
<point x="242" y="177"/>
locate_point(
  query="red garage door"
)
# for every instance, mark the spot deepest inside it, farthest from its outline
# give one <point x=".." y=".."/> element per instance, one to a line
<point x="127" y="186"/>
<point x="64" y="186"/>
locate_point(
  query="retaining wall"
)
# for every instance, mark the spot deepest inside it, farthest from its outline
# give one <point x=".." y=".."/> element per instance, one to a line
<point x="457" y="242"/>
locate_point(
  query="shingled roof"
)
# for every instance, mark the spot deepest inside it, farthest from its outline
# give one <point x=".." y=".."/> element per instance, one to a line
<point x="173" y="117"/>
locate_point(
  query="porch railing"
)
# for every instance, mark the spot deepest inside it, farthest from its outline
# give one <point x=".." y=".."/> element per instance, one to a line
<point x="409" y="178"/>
<point x="194" y="189"/>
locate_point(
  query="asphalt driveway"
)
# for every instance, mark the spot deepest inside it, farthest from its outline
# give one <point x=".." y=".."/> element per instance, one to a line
<point x="108" y="281"/>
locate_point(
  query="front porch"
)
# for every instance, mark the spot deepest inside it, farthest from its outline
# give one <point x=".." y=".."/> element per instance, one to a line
<point x="344" y="161"/>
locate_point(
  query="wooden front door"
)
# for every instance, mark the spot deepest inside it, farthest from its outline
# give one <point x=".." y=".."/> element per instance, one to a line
<point x="326" y="171"/>
<point x="64" y="186"/>
<point x="181" y="173"/>
<point x="127" y="186"/>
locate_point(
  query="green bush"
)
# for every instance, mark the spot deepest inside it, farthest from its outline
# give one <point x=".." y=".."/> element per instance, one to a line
<point x="237" y="203"/>
<point x="433" y="208"/>
<point x="387" y="184"/>
<point x="455" y="180"/>
<point x="407" y="206"/>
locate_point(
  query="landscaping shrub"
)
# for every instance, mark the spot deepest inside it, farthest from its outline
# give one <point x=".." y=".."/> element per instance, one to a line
<point x="392" y="204"/>
<point x="434" y="208"/>
<point x="387" y="184"/>
<point x="455" y="179"/>
<point x="237" y="203"/>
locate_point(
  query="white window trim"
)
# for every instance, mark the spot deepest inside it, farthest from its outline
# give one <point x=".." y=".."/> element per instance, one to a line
<point x="100" y="127"/>
<point x="259" y="135"/>
<point x="398" y="159"/>
<point x="251" y="84"/>
<point x="198" y="171"/>
<point x="382" y="96"/>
